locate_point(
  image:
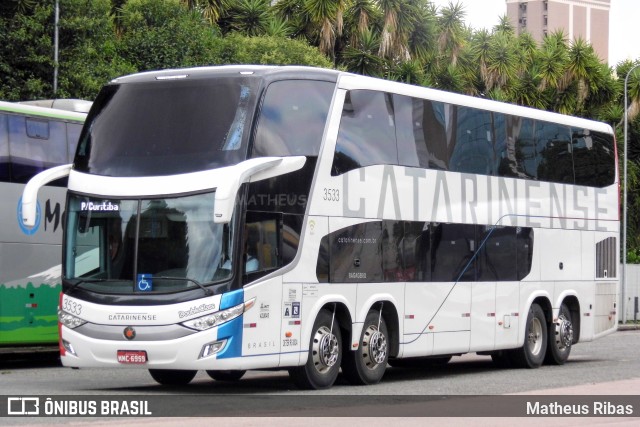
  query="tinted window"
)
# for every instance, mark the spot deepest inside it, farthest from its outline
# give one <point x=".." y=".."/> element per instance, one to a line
<point x="292" y="118"/>
<point x="73" y="134"/>
<point x="416" y="254"/>
<point x="421" y="133"/>
<point x="555" y="162"/>
<point x="356" y="254"/>
<point x="37" y="128"/>
<point x="367" y="132"/>
<point x="31" y="155"/>
<point x="168" y="127"/>
<point x="496" y="261"/>
<point x="474" y="142"/>
<point x="425" y="252"/>
<point x="520" y="133"/>
<point x="593" y="158"/>
<point x="505" y="163"/>
<point x="5" y="165"/>
<point x="392" y="242"/>
<point x="524" y="251"/>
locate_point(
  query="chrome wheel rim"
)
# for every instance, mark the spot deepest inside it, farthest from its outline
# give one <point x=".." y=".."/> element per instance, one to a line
<point x="374" y="347"/>
<point x="534" y="337"/>
<point x="325" y="350"/>
<point x="564" y="333"/>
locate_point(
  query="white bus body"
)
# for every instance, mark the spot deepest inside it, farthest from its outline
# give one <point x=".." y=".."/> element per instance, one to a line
<point x="379" y="222"/>
<point x="32" y="139"/>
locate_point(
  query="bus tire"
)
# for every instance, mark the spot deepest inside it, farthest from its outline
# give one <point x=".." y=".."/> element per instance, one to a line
<point x="532" y="353"/>
<point x="325" y="355"/>
<point x="367" y="364"/>
<point x="172" y="376"/>
<point x="226" y="375"/>
<point x="560" y="338"/>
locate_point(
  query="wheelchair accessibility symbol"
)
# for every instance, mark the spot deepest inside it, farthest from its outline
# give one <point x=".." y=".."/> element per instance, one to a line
<point x="145" y="282"/>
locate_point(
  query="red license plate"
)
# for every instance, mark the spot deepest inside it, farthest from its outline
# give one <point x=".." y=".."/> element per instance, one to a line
<point x="135" y="357"/>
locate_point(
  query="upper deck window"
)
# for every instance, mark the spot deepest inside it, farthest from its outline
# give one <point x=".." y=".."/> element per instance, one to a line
<point x="168" y="127"/>
<point x="292" y="118"/>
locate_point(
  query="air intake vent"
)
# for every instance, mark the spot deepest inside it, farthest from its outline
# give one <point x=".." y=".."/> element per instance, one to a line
<point x="606" y="256"/>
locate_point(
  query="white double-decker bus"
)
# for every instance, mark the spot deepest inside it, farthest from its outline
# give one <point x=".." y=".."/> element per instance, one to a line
<point x="243" y="217"/>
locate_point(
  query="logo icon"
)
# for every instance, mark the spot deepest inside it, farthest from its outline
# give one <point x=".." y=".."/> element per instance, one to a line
<point x="145" y="282"/>
<point x="23" y="406"/>
<point x="26" y="230"/>
<point x="129" y="333"/>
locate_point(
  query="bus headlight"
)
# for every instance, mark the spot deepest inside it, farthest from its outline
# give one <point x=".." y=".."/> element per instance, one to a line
<point x="218" y="318"/>
<point x="69" y="320"/>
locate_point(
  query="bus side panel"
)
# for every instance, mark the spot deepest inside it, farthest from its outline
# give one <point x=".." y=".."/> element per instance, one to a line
<point x="30" y="268"/>
<point x="507" y="315"/>
<point x="452" y="322"/>
<point x="262" y="322"/>
<point x="483" y="316"/>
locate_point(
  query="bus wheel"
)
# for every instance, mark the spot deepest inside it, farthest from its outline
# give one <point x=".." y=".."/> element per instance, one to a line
<point x="367" y="364"/>
<point x="532" y="353"/>
<point x="325" y="355"/>
<point x="172" y="376"/>
<point x="227" y="375"/>
<point x="560" y="338"/>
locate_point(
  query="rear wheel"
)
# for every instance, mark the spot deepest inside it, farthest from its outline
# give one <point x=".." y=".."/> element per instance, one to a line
<point x="532" y="353"/>
<point x="560" y="338"/>
<point x="325" y="355"/>
<point x="367" y="364"/>
<point x="172" y="376"/>
<point x="228" y="375"/>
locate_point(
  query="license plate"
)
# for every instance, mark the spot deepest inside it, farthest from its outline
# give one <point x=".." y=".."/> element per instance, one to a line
<point x="135" y="357"/>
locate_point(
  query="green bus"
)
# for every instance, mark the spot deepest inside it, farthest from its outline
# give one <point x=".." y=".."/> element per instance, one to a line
<point x="34" y="136"/>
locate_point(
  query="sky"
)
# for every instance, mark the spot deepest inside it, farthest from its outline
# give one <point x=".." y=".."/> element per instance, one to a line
<point x="623" y="16"/>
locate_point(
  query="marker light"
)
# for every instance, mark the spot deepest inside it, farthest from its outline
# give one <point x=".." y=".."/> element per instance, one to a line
<point x="69" y="320"/>
<point x="218" y="318"/>
<point x="67" y="346"/>
<point x="212" y="348"/>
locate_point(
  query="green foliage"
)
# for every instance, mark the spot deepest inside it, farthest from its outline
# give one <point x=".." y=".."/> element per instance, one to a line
<point x="239" y="49"/>
<point x="88" y="58"/>
<point x="160" y="34"/>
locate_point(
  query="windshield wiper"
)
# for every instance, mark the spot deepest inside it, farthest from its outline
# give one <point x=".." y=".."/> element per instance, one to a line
<point x="81" y="281"/>
<point x="207" y="291"/>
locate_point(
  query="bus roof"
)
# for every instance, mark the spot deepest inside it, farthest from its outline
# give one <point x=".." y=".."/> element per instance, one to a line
<point x="351" y="81"/>
<point x="75" y="105"/>
<point x="19" y="108"/>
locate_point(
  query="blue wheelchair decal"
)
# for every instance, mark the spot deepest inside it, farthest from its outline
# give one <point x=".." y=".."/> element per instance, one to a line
<point x="145" y="282"/>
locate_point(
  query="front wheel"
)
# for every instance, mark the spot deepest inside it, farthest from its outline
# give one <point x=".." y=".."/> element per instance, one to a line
<point x="325" y="355"/>
<point x="367" y="364"/>
<point x="560" y="338"/>
<point x="226" y="375"/>
<point x="172" y="376"/>
<point x="532" y="353"/>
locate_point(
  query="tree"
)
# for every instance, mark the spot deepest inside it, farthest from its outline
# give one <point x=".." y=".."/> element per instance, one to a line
<point x="166" y="34"/>
<point x="88" y="58"/>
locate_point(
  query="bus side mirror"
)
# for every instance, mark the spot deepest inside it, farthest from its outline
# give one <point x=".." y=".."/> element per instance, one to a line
<point x="30" y="192"/>
<point x="251" y="170"/>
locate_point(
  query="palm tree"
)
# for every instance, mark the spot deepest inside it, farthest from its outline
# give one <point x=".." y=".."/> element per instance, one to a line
<point x="249" y="17"/>
<point x="452" y="31"/>
<point x="552" y="62"/>
<point x="326" y="15"/>
<point x="390" y="10"/>
<point x="363" y="59"/>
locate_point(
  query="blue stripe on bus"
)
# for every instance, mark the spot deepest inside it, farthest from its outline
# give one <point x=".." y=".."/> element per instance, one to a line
<point x="231" y="331"/>
<point x="231" y="299"/>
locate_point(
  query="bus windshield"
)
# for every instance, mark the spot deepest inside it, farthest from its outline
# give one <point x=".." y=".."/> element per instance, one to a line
<point x="166" y="128"/>
<point x="146" y="245"/>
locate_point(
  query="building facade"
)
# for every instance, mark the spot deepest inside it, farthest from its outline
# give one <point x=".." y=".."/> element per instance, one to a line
<point x="586" y="19"/>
